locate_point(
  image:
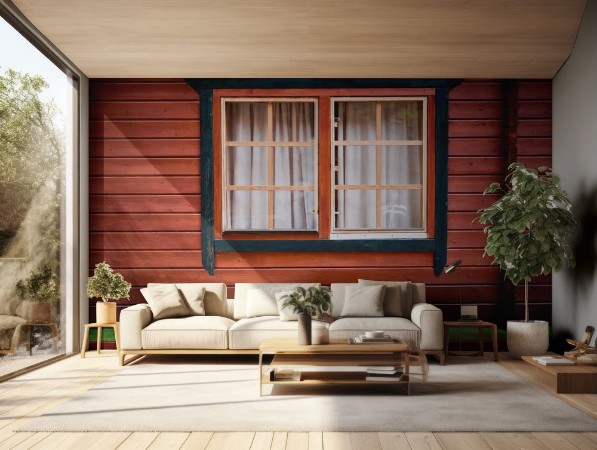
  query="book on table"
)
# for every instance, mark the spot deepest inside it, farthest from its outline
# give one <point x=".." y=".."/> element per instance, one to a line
<point x="379" y="377"/>
<point x="362" y="339"/>
<point x="553" y="360"/>
<point x="385" y="370"/>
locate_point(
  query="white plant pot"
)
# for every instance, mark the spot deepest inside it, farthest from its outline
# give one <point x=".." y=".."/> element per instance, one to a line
<point x="527" y="338"/>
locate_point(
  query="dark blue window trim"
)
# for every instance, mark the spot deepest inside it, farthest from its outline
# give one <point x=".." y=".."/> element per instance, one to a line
<point x="211" y="246"/>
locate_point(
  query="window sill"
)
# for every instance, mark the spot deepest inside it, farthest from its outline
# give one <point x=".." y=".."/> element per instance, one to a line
<point x="325" y="245"/>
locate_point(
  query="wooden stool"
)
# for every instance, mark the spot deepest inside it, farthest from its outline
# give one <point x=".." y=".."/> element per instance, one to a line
<point x="99" y="326"/>
<point x="478" y="324"/>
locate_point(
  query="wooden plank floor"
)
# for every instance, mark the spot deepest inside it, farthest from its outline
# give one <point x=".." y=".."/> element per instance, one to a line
<point x="31" y="395"/>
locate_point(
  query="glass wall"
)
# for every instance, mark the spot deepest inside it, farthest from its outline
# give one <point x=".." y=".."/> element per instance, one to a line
<point x="36" y="137"/>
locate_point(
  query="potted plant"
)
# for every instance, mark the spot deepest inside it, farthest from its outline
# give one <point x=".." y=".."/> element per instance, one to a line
<point x="313" y="301"/>
<point x="527" y="231"/>
<point x="108" y="286"/>
<point x="41" y="289"/>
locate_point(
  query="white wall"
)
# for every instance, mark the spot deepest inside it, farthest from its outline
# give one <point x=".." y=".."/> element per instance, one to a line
<point x="575" y="161"/>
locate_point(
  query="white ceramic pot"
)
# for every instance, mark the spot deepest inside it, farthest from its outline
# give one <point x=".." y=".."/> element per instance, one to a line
<point x="527" y="338"/>
<point x="105" y="312"/>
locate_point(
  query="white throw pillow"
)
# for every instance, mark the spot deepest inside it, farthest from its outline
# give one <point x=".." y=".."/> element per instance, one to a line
<point x="261" y="303"/>
<point x="286" y="314"/>
<point x="363" y="301"/>
<point x="395" y="296"/>
<point x="165" y="301"/>
<point x="193" y="296"/>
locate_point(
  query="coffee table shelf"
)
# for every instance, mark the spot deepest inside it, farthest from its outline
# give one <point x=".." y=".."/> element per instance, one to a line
<point x="345" y="358"/>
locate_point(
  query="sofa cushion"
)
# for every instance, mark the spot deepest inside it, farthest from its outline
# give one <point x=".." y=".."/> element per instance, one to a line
<point x="241" y="291"/>
<point x="214" y="301"/>
<point x="193" y="295"/>
<point x="285" y="313"/>
<point x="338" y="290"/>
<point x="260" y="303"/>
<point x="363" y="301"/>
<point x="249" y="333"/>
<point x="398" y="296"/>
<point x="165" y="301"/>
<point x="193" y="332"/>
<point x="397" y="327"/>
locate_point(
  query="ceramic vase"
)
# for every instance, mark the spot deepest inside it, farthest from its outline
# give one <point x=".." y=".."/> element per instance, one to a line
<point x="304" y="329"/>
<point x="527" y="338"/>
<point x="40" y="312"/>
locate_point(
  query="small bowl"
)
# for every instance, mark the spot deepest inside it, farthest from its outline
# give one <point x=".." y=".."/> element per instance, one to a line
<point x="374" y="334"/>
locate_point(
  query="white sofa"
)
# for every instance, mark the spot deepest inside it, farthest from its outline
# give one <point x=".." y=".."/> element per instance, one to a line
<point x="229" y="327"/>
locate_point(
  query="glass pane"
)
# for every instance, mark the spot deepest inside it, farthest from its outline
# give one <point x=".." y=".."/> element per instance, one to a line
<point x="356" y="165"/>
<point x="35" y="116"/>
<point x="401" y="165"/>
<point x="355" y="210"/>
<point x="294" y="210"/>
<point x="401" y="120"/>
<point x="401" y="209"/>
<point x="246" y="121"/>
<point x="294" y="121"/>
<point x="356" y="121"/>
<point x="246" y="166"/>
<point x="294" y="166"/>
<point x="247" y="210"/>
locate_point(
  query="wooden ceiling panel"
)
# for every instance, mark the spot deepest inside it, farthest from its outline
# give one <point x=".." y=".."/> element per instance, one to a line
<point x="311" y="38"/>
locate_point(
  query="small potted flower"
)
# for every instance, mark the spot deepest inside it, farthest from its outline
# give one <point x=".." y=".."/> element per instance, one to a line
<point x="108" y="286"/>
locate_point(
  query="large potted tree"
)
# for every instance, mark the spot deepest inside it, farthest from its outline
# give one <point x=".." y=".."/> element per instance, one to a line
<point x="527" y="231"/>
<point x="108" y="286"/>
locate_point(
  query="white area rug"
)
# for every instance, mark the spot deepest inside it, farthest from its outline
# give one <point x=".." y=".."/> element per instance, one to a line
<point x="469" y="394"/>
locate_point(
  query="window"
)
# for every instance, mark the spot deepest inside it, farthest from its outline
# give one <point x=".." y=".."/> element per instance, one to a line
<point x="379" y="170"/>
<point x="269" y="165"/>
<point x="337" y="164"/>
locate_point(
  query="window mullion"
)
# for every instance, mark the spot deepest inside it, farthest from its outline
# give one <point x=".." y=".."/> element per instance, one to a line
<point x="378" y="166"/>
<point x="270" y="165"/>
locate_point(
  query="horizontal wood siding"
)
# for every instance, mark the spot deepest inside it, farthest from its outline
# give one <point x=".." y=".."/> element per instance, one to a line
<point x="145" y="198"/>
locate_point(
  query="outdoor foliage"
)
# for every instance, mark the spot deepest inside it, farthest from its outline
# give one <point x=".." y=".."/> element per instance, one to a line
<point x="312" y="301"/>
<point x="31" y="150"/>
<point x="106" y="284"/>
<point x="42" y="285"/>
<point x="527" y="229"/>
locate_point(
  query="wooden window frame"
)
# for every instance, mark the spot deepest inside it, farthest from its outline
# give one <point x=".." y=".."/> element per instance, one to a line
<point x="270" y="144"/>
<point x="211" y="245"/>
<point x="427" y="166"/>
<point x="325" y="149"/>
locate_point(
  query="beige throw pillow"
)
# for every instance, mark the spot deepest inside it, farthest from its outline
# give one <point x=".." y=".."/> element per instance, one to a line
<point x="396" y="297"/>
<point x="165" y="301"/>
<point x="261" y="303"/>
<point x="286" y="314"/>
<point x="193" y="296"/>
<point x="363" y="301"/>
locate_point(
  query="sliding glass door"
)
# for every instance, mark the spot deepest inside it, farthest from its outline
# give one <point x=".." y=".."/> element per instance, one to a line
<point x="38" y="119"/>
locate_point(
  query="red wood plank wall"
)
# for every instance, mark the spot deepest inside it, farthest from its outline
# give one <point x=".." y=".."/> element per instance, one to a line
<point x="145" y="194"/>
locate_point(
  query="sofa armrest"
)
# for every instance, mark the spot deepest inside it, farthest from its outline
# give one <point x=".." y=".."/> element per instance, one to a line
<point x="430" y="320"/>
<point x="132" y="320"/>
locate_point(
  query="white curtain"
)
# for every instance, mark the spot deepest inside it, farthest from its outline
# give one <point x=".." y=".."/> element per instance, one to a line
<point x="356" y="209"/>
<point x="248" y="166"/>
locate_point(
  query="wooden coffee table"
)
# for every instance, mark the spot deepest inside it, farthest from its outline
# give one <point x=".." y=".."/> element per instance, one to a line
<point x="337" y="354"/>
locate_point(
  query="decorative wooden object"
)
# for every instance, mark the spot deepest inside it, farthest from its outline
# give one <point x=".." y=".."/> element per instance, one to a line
<point x="582" y="347"/>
